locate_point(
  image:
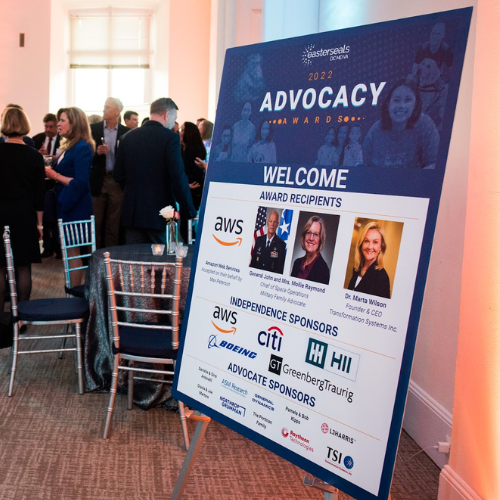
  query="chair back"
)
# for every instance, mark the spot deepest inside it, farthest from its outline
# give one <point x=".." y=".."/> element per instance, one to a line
<point x="192" y="224"/>
<point x="11" y="275"/>
<point x="139" y="293"/>
<point x="72" y="235"/>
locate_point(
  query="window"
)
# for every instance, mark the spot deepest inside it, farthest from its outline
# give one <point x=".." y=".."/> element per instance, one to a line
<point x="110" y="56"/>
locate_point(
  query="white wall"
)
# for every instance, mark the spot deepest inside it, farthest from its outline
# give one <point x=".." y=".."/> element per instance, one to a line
<point x="24" y="73"/>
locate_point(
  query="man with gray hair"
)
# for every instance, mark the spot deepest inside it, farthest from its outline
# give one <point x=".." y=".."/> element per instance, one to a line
<point x="150" y="169"/>
<point x="107" y="195"/>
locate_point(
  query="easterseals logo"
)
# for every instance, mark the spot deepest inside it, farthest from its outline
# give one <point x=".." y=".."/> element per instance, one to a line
<point x="212" y="342"/>
<point x="226" y="229"/>
<point x="225" y="320"/>
<point x="310" y="52"/>
<point x="297" y="439"/>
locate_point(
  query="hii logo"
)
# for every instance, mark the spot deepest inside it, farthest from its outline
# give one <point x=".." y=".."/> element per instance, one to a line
<point x="272" y="338"/>
<point x="316" y="353"/>
<point x="333" y="359"/>
<point x="275" y="363"/>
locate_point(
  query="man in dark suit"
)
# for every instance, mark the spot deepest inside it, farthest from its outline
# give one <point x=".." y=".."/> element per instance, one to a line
<point x="107" y="195"/>
<point x="270" y="250"/>
<point x="149" y="167"/>
<point x="47" y="143"/>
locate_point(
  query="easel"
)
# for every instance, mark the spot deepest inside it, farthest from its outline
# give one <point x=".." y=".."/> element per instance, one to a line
<point x="330" y="492"/>
<point x="192" y="453"/>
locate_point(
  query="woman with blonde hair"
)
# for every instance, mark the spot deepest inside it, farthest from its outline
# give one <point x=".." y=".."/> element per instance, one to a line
<point x="369" y="275"/>
<point x="72" y="170"/>
<point x="22" y="189"/>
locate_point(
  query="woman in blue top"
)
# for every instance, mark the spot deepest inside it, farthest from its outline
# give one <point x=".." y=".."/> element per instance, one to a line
<point x="72" y="171"/>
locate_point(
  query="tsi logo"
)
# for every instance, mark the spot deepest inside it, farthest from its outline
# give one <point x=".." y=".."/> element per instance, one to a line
<point x="333" y="359"/>
<point x="334" y="457"/>
<point x="228" y="226"/>
<point x="226" y="316"/>
<point x="275" y="363"/>
<point x="271" y="339"/>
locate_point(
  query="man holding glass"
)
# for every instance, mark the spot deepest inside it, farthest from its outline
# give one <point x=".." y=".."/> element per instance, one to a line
<point x="107" y="194"/>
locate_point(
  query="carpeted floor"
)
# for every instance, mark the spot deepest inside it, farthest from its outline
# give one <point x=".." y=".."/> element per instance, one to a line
<point x="51" y="446"/>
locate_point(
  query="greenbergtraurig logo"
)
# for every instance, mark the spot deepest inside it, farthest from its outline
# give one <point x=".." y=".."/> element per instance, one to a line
<point x="316" y="353"/>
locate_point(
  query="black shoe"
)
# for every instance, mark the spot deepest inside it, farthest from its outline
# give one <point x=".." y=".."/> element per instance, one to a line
<point x="47" y="254"/>
<point x="23" y="329"/>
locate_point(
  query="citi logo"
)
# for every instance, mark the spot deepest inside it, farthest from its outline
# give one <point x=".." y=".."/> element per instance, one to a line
<point x="227" y="316"/>
<point x="229" y="227"/>
<point x="271" y="339"/>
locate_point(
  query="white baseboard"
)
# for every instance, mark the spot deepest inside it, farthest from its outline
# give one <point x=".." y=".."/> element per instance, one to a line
<point x="453" y="487"/>
<point x="427" y="422"/>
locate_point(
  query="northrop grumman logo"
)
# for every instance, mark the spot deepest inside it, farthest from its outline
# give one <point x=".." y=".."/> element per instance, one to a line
<point x="310" y="52"/>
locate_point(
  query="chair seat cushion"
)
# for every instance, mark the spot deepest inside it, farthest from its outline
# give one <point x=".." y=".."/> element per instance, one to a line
<point x="59" y="309"/>
<point x="148" y="342"/>
<point x="76" y="291"/>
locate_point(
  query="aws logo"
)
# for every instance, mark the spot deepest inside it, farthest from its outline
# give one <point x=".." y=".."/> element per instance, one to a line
<point x="225" y="316"/>
<point x="229" y="227"/>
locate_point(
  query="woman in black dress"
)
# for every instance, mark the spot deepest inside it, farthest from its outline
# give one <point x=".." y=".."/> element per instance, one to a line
<point x="22" y="190"/>
<point x="192" y="147"/>
<point x="369" y="275"/>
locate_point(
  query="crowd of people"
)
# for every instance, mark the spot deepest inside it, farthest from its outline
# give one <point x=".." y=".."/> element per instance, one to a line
<point x="83" y="165"/>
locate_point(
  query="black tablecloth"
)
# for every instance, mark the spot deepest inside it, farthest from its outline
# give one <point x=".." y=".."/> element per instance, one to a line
<point x="97" y="342"/>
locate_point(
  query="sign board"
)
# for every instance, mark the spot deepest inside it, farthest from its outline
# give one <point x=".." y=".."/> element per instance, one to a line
<point x="333" y="147"/>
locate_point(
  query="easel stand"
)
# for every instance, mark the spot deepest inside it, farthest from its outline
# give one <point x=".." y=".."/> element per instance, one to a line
<point x="194" y="449"/>
<point x="331" y="493"/>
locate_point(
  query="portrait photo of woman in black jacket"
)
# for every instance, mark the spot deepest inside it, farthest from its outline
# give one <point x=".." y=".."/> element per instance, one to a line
<point x="368" y="274"/>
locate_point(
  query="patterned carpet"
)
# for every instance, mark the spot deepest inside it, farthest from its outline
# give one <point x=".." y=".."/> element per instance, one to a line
<point x="51" y="449"/>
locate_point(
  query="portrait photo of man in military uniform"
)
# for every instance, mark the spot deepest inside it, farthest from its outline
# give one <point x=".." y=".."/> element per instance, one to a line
<point x="270" y="250"/>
